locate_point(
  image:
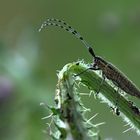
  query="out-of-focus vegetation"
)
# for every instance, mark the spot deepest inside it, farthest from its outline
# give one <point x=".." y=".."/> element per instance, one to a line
<point x="29" y="59"/>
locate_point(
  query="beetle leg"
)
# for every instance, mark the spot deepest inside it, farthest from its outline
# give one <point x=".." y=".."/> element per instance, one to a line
<point x="81" y="72"/>
<point x="115" y="110"/>
<point x="102" y="81"/>
<point x="90" y="68"/>
<point x="117" y="100"/>
<point x="94" y="67"/>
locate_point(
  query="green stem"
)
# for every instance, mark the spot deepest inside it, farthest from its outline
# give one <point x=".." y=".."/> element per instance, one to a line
<point x="92" y="80"/>
<point x="70" y="109"/>
<point x="68" y="115"/>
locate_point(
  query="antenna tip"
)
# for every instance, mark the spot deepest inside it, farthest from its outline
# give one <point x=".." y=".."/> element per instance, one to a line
<point x="39" y="30"/>
<point x="42" y="26"/>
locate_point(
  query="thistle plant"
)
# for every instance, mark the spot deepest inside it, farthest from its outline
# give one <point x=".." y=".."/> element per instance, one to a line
<point x="67" y="117"/>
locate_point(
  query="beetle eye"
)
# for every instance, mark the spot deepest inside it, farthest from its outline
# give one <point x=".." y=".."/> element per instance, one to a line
<point x="95" y="60"/>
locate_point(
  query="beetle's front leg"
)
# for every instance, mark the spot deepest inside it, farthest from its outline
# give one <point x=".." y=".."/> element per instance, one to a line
<point x="94" y="67"/>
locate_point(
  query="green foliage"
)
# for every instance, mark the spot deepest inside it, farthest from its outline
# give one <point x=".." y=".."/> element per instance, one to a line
<point x="68" y="115"/>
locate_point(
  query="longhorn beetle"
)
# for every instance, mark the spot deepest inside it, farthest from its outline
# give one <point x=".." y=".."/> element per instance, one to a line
<point x="109" y="71"/>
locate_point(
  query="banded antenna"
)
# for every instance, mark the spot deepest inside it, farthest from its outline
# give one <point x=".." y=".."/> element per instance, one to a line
<point x="62" y="24"/>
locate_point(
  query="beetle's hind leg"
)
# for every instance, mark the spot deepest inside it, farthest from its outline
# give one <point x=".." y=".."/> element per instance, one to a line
<point x="116" y="108"/>
<point x="102" y="82"/>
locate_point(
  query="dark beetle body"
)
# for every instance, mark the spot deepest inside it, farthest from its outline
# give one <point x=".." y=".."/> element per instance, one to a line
<point x="116" y="76"/>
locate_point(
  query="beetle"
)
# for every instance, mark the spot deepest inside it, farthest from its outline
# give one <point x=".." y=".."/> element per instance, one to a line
<point x="109" y="71"/>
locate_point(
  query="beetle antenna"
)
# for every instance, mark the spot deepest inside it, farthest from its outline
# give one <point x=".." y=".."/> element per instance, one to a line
<point x="62" y="24"/>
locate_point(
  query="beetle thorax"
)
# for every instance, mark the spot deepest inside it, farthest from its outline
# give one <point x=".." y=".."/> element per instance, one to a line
<point x="99" y="62"/>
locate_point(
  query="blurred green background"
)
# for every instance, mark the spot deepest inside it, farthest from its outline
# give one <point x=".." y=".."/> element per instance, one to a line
<point x="29" y="59"/>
